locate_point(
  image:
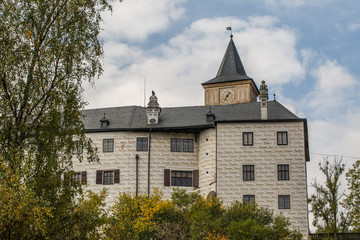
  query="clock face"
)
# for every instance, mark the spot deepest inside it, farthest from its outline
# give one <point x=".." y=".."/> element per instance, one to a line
<point x="227" y="95"/>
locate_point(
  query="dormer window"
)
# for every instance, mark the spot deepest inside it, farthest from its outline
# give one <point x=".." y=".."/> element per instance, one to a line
<point x="210" y="116"/>
<point x="104" y="122"/>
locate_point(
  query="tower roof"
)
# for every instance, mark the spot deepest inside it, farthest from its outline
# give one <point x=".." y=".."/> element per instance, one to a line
<point x="231" y="68"/>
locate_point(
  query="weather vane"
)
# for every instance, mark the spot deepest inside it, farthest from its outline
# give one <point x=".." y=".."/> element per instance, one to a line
<point x="229" y="29"/>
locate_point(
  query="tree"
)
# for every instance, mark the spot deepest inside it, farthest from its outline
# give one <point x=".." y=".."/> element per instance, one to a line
<point x="138" y="217"/>
<point x="186" y="217"/>
<point x="325" y="203"/>
<point x="48" y="49"/>
<point x="352" y="201"/>
<point x="21" y="217"/>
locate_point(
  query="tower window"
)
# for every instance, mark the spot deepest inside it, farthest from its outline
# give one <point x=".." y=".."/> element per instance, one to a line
<point x="284" y="201"/>
<point x="188" y="145"/>
<point x="249" y="199"/>
<point x="141" y="144"/>
<point x="248" y="173"/>
<point x="248" y="139"/>
<point x="283" y="172"/>
<point x="175" y="144"/>
<point x="108" y="145"/>
<point x="282" y="138"/>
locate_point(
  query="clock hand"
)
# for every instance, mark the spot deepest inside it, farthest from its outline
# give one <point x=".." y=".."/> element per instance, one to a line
<point x="227" y="95"/>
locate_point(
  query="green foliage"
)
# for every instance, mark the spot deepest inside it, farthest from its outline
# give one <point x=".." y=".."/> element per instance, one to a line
<point x="21" y="214"/>
<point x="205" y="217"/>
<point x="187" y="217"/>
<point x="325" y="203"/>
<point x="352" y="201"/>
<point x="182" y="199"/>
<point x="48" y="49"/>
<point x="138" y="217"/>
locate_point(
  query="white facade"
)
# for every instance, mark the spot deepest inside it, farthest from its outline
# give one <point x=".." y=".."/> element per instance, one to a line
<point x="219" y="155"/>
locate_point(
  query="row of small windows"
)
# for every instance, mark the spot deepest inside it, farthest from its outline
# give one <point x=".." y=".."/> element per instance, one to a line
<point x="248" y="138"/>
<point x="283" y="172"/>
<point x="102" y="177"/>
<point x="176" y="145"/>
<point x="181" y="145"/>
<point x="283" y="201"/>
<point x="171" y="177"/>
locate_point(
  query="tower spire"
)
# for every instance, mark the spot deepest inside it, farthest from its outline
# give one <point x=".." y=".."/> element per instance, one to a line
<point x="231" y="68"/>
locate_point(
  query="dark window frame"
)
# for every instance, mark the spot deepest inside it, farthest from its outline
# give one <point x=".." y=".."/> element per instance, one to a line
<point x="283" y="171"/>
<point x="284" y="201"/>
<point x="108" y="145"/>
<point x="249" y="199"/>
<point x="142" y="144"/>
<point x="77" y="177"/>
<point x="175" y="144"/>
<point x="282" y="138"/>
<point x="248" y="172"/>
<point x="188" y="145"/>
<point x="108" y="177"/>
<point x="248" y="138"/>
<point x="181" y="178"/>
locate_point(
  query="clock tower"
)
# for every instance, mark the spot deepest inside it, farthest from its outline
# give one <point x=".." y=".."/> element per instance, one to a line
<point x="231" y="84"/>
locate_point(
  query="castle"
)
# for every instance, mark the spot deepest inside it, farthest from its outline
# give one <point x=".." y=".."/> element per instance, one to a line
<point x="234" y="146"/>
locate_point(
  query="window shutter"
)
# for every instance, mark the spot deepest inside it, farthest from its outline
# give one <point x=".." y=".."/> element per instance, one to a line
<point x="98" y="177"/>
<point x="196" y="178"/>
<point x="83" y="177"/>
<point x="117" y="176"/>
<point x="166" y="177"/>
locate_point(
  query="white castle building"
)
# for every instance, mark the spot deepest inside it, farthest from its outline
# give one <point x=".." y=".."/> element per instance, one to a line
<point x="234" y="146"/>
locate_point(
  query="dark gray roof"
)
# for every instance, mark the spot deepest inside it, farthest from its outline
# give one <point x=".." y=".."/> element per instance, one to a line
<point x="231" y="68"/>
<point x="182" y="118"/>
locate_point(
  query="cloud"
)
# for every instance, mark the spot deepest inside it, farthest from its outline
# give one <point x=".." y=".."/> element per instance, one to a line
<point x="286" y="3"/>
<point x="334" y="137"/>
<point x="352" y="27"/>
<point x="135" y="20"/>
<point x="176" y="69"/>
<point x="332" y="77"/>
<point x="333" y="91"/>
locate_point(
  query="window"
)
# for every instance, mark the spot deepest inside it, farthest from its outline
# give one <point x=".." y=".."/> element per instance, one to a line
<point x="188" y="145"/>
<point x="282" y="138"/>
<point x="248" y="173"/>
<point x="175" y="145"/>
<point x="283" y="172"/>
<point x="78" y="148"/>
<point x="249" y="199"/>
<point x="181" y="178"/>
<point x="284" y="201"/>
<point x="108" y="177"/>
<point x="248" y="139"/>
<point x="108" y="145"/>
<point x="77" y="177"/>
<point x="142" y="144"/>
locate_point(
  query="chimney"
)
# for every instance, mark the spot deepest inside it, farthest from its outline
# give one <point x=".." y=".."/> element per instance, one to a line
<point x="263" y="97"/>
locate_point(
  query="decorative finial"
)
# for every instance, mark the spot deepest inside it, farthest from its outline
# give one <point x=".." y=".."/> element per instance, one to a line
<point x="153" y="93"/>
<point x="229" y="29"/>
<point x="274" y="96"/>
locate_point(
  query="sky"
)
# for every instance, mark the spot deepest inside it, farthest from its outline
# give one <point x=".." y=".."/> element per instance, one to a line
<point x="307" y="51"/>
